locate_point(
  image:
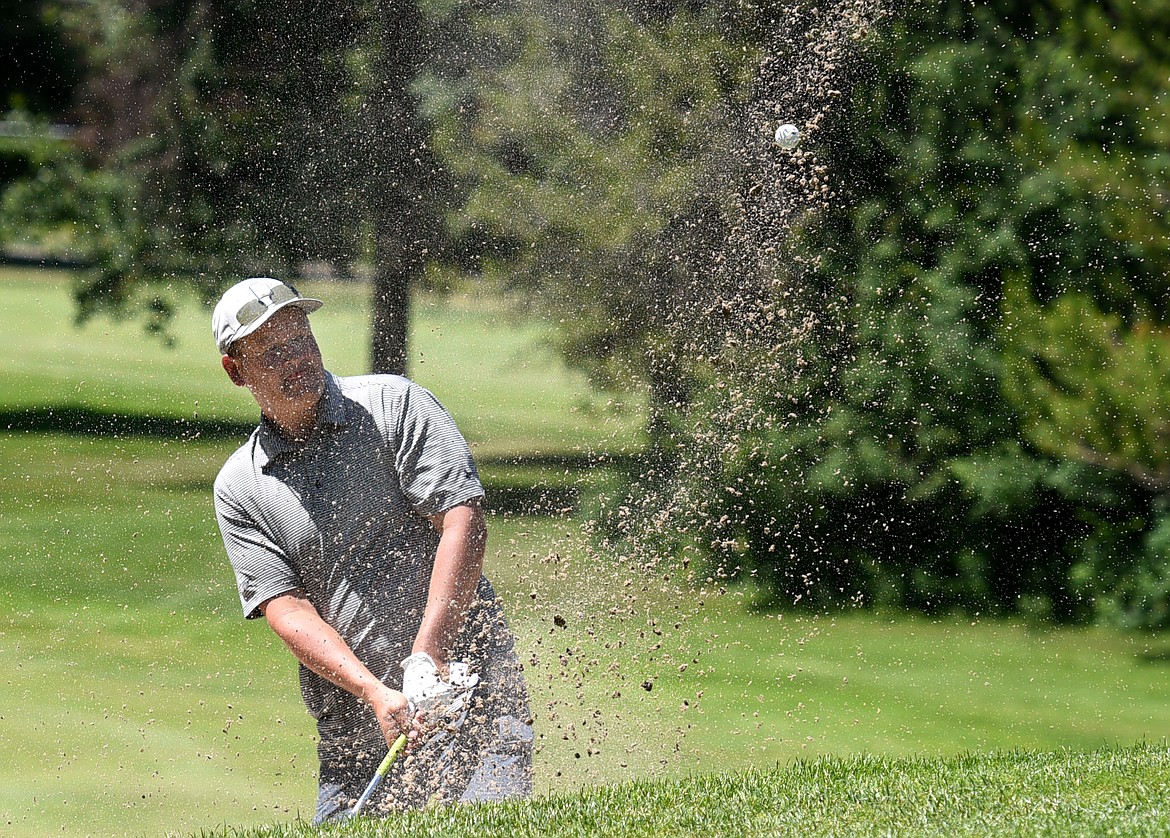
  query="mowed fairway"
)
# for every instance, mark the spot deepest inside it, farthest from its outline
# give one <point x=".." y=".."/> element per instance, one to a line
<point x="137" y="701"/>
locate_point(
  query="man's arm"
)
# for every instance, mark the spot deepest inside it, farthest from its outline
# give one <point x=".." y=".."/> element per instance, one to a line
<point x="454" y="579"/>
<point x="320" y="648"/>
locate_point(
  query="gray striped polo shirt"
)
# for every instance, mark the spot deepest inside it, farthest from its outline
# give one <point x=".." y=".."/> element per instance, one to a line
<point x="342" y="517"/>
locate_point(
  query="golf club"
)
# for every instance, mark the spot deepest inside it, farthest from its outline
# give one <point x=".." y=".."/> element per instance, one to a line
<point x="448" y="718"/>
<point x="383" y="769"/>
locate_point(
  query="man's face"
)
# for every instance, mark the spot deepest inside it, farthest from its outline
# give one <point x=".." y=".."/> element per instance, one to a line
<point x="280" y="362"/>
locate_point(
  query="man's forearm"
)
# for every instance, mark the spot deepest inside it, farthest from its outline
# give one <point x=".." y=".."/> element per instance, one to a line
<point x="454" y="579"/>
<point x="318" y="646"/>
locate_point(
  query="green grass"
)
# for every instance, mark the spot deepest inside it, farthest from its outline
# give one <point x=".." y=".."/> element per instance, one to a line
<point x="136" y="701"/>
<point x="498" y="377"/>
<point x="1105" y="792"/>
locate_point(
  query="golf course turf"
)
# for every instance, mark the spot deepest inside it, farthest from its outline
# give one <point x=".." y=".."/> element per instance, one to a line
<point x="137" y="701"/>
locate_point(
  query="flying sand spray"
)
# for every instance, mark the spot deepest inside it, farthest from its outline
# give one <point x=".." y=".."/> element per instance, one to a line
<point x="750" y="328"/>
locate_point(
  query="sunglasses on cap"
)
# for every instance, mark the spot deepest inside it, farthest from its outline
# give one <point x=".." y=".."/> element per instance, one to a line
<point x="253" y="310"/>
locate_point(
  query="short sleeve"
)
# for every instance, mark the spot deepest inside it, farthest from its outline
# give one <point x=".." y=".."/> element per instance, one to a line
<point x="262" y="570"/>
<point x="435" y="468"/>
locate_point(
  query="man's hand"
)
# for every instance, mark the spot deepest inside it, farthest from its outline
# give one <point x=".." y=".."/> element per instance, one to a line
<point x="319" y="647"/>
<point x="421" y="680"/>
<point x="425" y="686"/>
<point x="394" y="715"/>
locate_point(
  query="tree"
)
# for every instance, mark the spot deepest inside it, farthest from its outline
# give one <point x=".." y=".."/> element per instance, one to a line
<point x="227" y="138"/>
<point x="38" y="73"/>
<point x="39" y="68"/>
<point x="970" y="429"/>
<point x="589" y="145"/>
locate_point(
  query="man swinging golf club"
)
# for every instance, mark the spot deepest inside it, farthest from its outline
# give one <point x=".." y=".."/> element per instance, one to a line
<point x="352" y="518"/>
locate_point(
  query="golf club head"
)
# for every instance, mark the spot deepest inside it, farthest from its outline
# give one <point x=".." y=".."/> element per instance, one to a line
<point x="442" y="716"/>
<point x="446" y="712"/>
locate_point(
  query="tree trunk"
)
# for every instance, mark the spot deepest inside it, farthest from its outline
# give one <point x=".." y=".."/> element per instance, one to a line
<point x="398" y="264"/>
<point x="401" y="194"/>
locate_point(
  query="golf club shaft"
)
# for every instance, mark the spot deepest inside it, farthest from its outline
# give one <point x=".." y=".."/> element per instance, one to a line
<point x="387" y="761"/>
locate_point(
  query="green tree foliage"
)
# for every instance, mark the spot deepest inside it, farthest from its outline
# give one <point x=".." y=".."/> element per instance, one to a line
<point x="981" y="422"/>
<point x="589" y="144"/>
<point x="39" y="67"/>
<point x="38" y="72"/>
<point x="227" y="138"/>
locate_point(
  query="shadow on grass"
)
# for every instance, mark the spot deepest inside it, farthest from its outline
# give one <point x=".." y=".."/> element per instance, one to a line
<point x="530" y="500"/>
<point x="1155" y="657"/>
<point x="504" y="495"/>
<point x="84" y="421"/>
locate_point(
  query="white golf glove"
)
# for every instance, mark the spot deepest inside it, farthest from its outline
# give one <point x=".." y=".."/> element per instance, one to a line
<point x="424" y="687"/>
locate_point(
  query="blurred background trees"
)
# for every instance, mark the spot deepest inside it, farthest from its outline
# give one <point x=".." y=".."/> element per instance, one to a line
<point x="973" y="415"/>
<point x="589" y="145"/>
<point x="222" y="138"/>
<point x="39" y="72"/>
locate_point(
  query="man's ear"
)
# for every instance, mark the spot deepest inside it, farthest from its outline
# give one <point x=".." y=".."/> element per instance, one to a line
<point x="233" y="370"/>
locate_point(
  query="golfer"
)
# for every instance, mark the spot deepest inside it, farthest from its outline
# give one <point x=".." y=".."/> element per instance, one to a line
<point x="353" y="521"/>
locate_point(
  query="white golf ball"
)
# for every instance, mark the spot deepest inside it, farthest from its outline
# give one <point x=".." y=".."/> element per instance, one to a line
<point x="787" y="135"/>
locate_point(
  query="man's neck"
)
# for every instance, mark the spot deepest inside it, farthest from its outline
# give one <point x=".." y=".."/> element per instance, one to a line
<point x="295" y="422"/>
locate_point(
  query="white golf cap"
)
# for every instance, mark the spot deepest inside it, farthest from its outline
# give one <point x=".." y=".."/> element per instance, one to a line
<point x="247" y="305"/>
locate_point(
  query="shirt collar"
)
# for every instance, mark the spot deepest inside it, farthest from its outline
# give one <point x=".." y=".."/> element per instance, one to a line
<point x="331" y="413"/>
